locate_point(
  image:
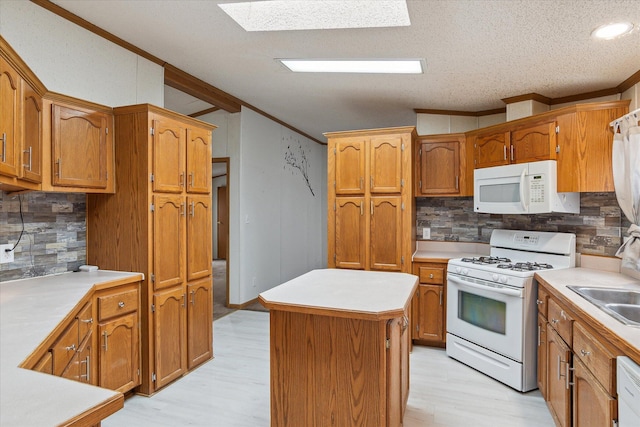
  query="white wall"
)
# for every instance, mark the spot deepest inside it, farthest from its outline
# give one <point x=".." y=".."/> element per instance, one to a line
<point x="73" y="61"/>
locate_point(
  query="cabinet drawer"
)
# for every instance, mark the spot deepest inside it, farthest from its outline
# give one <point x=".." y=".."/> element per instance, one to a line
<point x="560" y="320"/>
<point x="542" y="301"/>
<point x="117" y="304"/>
<point x="65" y="348"/>
<point x="85" y="320"/>
<point x="431" y="275"/>
<point x="595" y="356"/>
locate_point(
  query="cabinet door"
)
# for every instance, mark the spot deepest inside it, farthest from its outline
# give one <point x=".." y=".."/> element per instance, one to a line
<point x="533" y="143"/>
<point x="439" y="168"/>
<point x="350" y="161"/>
<point x="199" y="321"/>
<point x="592" y="405"/>
<point x="119" y="353"/>
<point x="350" y="236"/>
<point x="79" y="147"/>
<point x="31" y="134"/>
<point x="198" y="160"/>
<point x="385" y="234"/>
<point x="9" y="119"/>
<point x="168" y="241"/>
<point x="491" y="150"/>
<point x="542" y="355"/>
<point x="430" y="319"/>
<point x="169" y="322"/>
<point x="558" y="387"/>
<point x="386" y="164"/>
<point x="198" y="237"/>
<point x="169" y="138"/>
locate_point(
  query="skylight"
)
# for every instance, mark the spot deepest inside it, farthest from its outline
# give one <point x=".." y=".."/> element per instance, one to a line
<point x="283" y="15"/>
<point x="376" y="66"/>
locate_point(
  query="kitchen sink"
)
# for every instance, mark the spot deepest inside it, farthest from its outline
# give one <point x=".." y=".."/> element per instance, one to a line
<point x="621" y="304"/>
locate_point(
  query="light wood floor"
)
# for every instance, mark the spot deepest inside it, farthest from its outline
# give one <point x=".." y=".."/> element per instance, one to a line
<point x="233" y="389"/>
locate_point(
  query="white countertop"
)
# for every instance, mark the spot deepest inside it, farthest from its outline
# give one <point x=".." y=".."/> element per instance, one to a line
<point x="429" y="250"/>
<point x="30" y="309"/>
<point x="560" y="279"/>
<point x="368" y="294"/>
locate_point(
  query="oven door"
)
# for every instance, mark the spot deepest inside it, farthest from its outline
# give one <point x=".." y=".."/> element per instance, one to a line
<point x="487" y="314"/>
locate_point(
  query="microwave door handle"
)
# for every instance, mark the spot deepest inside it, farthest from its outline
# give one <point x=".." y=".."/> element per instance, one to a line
<point x="504" y="291"/>
<point x="523" y="176"/>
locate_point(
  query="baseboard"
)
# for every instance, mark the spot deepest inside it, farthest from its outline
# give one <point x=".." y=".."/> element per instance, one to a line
<point x="243" y="305"/>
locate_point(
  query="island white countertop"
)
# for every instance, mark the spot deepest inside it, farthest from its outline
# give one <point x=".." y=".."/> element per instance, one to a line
<point x="344" y="293"/>
<point x="30" y="309"/>
<point x="618" y="333"/>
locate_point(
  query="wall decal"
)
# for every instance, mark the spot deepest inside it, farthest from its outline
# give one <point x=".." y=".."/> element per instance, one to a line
<point x="296" y="158"/>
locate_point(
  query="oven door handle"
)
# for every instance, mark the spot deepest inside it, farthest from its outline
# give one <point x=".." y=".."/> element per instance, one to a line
<point x="504" y="291"/>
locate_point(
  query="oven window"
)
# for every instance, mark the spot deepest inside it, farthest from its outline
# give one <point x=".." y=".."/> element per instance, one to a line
<point x="486" y="313"/>
<point x="500" y="193"/>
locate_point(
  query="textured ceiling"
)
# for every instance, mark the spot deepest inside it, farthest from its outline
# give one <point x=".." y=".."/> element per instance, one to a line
<point x="477" y="52"/>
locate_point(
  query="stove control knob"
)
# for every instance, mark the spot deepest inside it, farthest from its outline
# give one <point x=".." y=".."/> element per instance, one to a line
<point x="503" y="279"/>
<point x="494" y="277"/>
<point x="458" y="269"/>
<point x="465" y="271"/>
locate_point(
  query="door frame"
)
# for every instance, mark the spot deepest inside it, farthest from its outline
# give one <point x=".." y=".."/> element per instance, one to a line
<point x="225" y="160"/>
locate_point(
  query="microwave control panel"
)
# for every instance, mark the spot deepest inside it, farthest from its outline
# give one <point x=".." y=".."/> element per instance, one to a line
<point x="536" y="189"/>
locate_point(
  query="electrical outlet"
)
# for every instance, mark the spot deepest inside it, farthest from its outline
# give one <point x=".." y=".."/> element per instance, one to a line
<point x="5" y="256"/>
<point x="426" y="233"/>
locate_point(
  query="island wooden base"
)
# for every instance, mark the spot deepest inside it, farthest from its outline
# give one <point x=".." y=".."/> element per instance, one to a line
<point x="338" y="371"/>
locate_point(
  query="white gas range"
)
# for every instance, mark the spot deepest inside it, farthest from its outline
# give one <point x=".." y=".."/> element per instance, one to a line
<point x="491" y="303"/>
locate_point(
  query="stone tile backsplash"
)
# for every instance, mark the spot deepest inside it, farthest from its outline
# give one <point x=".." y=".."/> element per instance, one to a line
<point x="598" y="227"/>
<point x="55" y="233"/>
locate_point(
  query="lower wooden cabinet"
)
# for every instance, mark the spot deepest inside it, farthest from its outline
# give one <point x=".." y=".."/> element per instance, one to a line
<point x="199" y="322"/>
<point x="576" y="366"/>
<point x="105" y="352"/>
<point x="170" y="335"/>
<point x="428" y="309"/>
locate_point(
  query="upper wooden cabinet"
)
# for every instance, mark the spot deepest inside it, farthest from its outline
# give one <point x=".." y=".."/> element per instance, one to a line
<point x="370" y="199"/>
<point x="81" y="145"/>
<point x="20" y="123"/>
<point x="442" y="167"/>
<point x="578" y="137"/>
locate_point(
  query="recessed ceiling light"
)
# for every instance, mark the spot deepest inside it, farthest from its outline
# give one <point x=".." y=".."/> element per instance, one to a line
<point x="612" y="31"/>
<point x="281" y="15"/>
<point x="379" y="66"/>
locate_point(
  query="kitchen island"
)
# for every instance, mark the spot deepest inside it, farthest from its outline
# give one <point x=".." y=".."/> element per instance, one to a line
<point x="30" y="310"/>
<point x="339" y="348"/>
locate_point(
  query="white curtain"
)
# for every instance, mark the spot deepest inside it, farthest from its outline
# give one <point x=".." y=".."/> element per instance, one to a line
<point x="626" y="178"/>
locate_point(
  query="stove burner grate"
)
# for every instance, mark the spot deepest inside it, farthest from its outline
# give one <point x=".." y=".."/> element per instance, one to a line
<point x="484" y="260"/>
<point x="525" y="266"/>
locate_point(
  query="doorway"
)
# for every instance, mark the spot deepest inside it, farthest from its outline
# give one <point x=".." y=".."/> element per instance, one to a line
<point x="220" y="237"/>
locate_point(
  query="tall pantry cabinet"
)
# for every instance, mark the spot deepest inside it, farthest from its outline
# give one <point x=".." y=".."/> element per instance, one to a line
<point x="371" y="215"/>
<point x="159" y="223"/>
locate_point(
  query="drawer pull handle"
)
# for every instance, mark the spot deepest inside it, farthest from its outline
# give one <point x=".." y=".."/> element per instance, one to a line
<point x="554" y="321"/>
<point x="431" y="276"/>
<point x="86" y="362"/>
<point x="539" y="302"/>
<point x="89" y="320"/>
<point x="121" y="304"/>
<point x="71" y="347"/>
<point x="585" y="353"/>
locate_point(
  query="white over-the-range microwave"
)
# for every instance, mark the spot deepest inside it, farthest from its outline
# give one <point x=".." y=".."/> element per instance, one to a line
<point x="523" y="188"/>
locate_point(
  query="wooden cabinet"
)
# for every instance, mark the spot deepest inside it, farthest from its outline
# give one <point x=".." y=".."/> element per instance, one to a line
<point x="199" y="322"/>
<point x="119" y="340"/>
<point x="526" y="142"/>
<point x="105" y="352"/>
<point x="20" y="123"/>
<point x="159" y="223"/>
<point x="81" y="145"/>
<point x="442" y="167"/>
<point x="578" y="366"/>
<point x="428" y="311"/>
<point x="578" y="137"/>
<point x="370" y="199"/>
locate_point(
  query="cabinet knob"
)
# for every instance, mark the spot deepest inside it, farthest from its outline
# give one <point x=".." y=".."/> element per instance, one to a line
<point x="554" y="321"/>
<point x="431" y="276"/>
<point x="585" y="353"/>
<point x="121" y="304"/>
<point x="539" y="302"/>
<point x="71" y="347"/>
